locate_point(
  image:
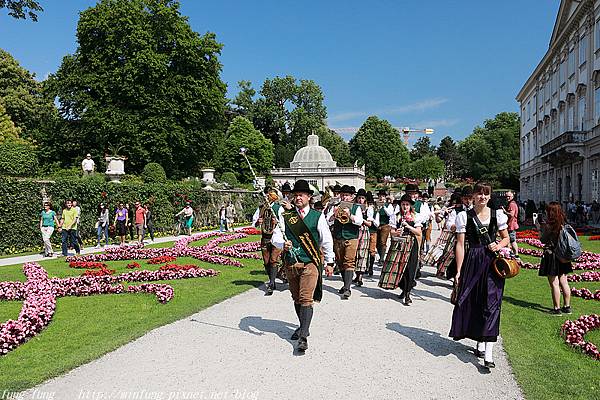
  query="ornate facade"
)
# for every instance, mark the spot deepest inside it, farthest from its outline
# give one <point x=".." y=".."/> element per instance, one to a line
<point x="560" y="111"/>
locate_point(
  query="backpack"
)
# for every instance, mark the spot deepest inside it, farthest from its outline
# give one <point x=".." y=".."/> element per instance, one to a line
<point x="568" y="246"/>
<point x="521" y="215"/>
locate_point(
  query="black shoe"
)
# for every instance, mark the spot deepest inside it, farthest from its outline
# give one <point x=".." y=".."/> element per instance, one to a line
<point x="478" y="353"/>
<point x="296" y="334"/>
<point x="302" y="345"/>
<point x="566" y="310"/>
<point x="269" y="291"/>
<point x="489" y="364"/>
<point x="342" y="290"/>
<point x="346" y="295"/>
<point x="555" y="311"/>
<point x="401" y="295"/>
<point x="407" y="300"/>
<point x="359" y="283"/>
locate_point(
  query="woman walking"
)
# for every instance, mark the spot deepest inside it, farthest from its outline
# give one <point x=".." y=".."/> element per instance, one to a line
<point x="120" y="223"/>
<point x="479" y="295"/>
<point x="551" y="266"/>
<point x="48" y="221"/>
<point x="408" y="226"/>
<point x="364" y="240"/>
<point x="149" y="223"/>
<point x="102" y="224"/>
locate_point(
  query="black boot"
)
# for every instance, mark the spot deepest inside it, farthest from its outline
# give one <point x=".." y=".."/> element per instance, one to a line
<point x="306" y="313"/>
<point x="272" y="275"/>
<point x="407" y="300"/>
<point x="296" y="333"/>
<point x="347" y="275"/>
<point x="358" y="279"/>
<point x="371" y="262"/>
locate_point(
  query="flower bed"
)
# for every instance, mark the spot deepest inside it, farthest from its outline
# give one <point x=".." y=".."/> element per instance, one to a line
<point x="87" y="265"/>
<point x="574" y="334"/>
<point x="133" y="265"/>
<point x="161" y="260"/>
<point x="249" y="230"/>
<point x="98" y="272"/>
<point x="528" y="234"/>
<point x="594" y="237"/>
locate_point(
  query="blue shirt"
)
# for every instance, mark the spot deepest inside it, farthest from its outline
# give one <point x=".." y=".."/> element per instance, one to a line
<point x="48" y="218"/>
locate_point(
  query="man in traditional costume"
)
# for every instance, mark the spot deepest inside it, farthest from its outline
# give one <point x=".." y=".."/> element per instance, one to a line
<point x="371" y="213"/>
<point x="308" y="234"/>
<point x="382" y="221"/>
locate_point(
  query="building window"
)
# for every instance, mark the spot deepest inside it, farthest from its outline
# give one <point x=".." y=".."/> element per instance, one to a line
<point x="561" y="120"/>
<point x="583" y="50"/>
<point x="553" y="127"/>
<point x="528" y="110"/>
<point x="563" y="73"/>
<point x="541" y="96"/>
<point x="571" y="62"/>
<point x="597" y="35"/>
<point x="547" y="91"/>
<point x="570" y="116"/>
<point x="597" y="103"/>
<point x="581" y="112"/>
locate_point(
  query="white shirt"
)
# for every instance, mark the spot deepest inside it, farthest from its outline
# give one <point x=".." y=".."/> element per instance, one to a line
<point x="88" y="164"/>
<point x="325" y="238"/>
<point x="461" y="221"/>
<point x="450" y="220"/>
<point x="424" y="214"/>
<point x="277" y="238"/>
<point x="390" y="211"/>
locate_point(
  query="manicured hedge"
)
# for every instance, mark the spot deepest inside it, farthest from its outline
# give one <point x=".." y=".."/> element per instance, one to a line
<point x="21" y="203"/>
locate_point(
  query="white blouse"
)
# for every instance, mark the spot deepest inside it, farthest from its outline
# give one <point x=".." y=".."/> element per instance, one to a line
<point x="461" y="221"/>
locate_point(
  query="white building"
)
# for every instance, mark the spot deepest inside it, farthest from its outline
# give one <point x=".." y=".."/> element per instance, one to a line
<point x="560" y="111"/>
<point x="315" y="164"/>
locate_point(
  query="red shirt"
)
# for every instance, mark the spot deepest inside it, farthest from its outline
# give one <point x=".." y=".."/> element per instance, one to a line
<point x="513" y="225"/>
<point x="139" y="215"/>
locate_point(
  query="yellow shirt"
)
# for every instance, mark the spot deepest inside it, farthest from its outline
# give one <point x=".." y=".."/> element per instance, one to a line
<point x="69" y="217"/>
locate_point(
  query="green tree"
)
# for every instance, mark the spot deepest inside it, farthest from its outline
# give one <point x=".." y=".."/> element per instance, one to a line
<point x="29" y="107"/>
<point x="244" y="101"/>
<point x="7" y="127"/>
<point x="143" y="79"/>
<point x="154" y="173"/>
<point x="21" y="9"/>
<point x="448" y="152"/>
<point x="422" y="148"/>
<point x="378" y="146"/>
<point x="18" y="157"/>
<point x="427" y="167"/>
<point x="337" y="146"/>
<point x="240" y="134"/>
<point x="491" y="152"/>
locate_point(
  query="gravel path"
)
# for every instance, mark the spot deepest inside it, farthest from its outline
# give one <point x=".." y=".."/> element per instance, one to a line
<point x="369" y="347"/>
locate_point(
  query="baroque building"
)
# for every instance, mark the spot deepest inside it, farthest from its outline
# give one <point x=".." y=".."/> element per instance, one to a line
<point x="315" y="164"/>
<point x="560" y="111"/>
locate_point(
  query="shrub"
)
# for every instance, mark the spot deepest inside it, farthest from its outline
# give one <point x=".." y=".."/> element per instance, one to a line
<point x="229" y="178"/>
<point x="18" y="157"/>
<point x="154" y="173"/>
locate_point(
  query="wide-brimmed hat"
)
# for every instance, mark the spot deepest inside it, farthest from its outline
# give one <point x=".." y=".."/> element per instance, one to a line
<point x="336" y="188"/>
<point x="466" y="191"/>
<point x="411" y="187"/>
<point x="382" y="192"/>
<point x="286" y="187"/>
<point x="370" y="198"/>
<point x="347" y="189"/>
<point x="302" y="186"/>
<point x="408" y="198"/>
<point x="361" y="192"/>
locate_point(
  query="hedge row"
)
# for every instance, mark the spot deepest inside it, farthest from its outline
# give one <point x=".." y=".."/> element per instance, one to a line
<point x="21" y="203"/>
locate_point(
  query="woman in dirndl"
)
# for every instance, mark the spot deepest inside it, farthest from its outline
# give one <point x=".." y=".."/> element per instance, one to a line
<point x="479" y="291"/>
<point x="408" y="226"/>
<point x="362" y="252"/>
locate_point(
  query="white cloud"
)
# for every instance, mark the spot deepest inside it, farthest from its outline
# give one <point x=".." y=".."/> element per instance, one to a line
<point x="414" y="107"/>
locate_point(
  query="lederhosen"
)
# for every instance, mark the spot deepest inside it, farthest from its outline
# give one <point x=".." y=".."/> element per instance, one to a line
<point x="345" y="241"/>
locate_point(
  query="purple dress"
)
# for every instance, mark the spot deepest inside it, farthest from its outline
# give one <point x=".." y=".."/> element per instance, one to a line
<point x="477" y="313"/>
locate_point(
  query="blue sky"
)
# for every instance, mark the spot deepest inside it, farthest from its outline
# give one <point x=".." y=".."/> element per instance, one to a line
<point x="442" y="64"/>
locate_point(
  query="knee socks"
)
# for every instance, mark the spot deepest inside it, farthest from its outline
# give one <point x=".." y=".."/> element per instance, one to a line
<point x="347" y="275"/>
<point x="272" y="274"/>
<point x="306" y="313"/>
<point x="489" y="346"/>
<point x="297" y="307"/>
<point x="481" y="346"/>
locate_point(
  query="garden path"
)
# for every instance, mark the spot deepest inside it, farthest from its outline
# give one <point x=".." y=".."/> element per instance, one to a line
<point x="368" y="347"/>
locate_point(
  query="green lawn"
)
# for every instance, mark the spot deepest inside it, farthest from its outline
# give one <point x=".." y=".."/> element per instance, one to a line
<point x="545" y="366"/>
<point x="85" y="328"/>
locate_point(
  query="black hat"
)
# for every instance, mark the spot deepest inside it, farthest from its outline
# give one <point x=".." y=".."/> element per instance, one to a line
<point x="268" y="189"/>
<point x="302" y="186"/>
<point x="407" y="197"/>
<point x="286" y="187"/>
<point x="347" y="189"/>
<point x="336" y="188"/>
<point x="361" y="192"/>
<point x="353" y="189"/>
<point x="466" y="191"/>
<point x="425" y="195"/>
<point x="370" y="198"/>
<point x="411" y="187"/>
<point x="455" y="198"/>
<point x="382" y="192"/>
<point x="318" y="205"/>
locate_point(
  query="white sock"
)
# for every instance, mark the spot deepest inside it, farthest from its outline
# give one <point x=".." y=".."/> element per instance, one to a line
<point x="488" y="351"/>
<point x="481" y="346"/>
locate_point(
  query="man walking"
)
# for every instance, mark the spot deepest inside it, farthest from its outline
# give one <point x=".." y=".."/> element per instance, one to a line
<point x="512" y="211"/>
<point x="308" y="234"/>
<point x="68" y="225"/>
<point x="140" y="221"/>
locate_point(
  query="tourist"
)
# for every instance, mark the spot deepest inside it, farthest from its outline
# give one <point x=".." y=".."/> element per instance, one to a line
<point x="304" y="258"/>
<point x="188" y="214"/>
<point x="223" y="218"/>
<point x="48" y="221"/>
<point x="130" y="220"/>
<point x="269" y="217"/>
<point x="364" y="239"/>
<point x="230" y="216"/>
<point x="479" y="291"/>
<point x="595" y="210"/>
<point x="88" y="165"/>
<point x="78" y="209"/>
<point x="149" y="223"/>
<point x="120" y="222"/>
<point x="409" y="226"/>
<point x="512" y="212"/>
<point x="102" y="224"/>
<point x="68" y="225"/>
<point x="551" y="266"/>
<point x="140" y="221"/>
<point x="346" y="226"/>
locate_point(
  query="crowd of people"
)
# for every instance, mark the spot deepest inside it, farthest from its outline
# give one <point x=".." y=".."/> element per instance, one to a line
<point x="347" y="231"/>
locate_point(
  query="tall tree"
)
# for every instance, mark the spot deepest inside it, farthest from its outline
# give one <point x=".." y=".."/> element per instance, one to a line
<point x="422" y="148"/>
<point x="21" y="9"/>
<point x="143" y="79"/>
<point x="378" y="146"/>
<point x="337" y="146"/>
<point x="491" y="152"/>
<point x="427" y="167"/>
<point x="24" y="99"/>
<point x="259" y="151"/>
<point x="448" y="152"/>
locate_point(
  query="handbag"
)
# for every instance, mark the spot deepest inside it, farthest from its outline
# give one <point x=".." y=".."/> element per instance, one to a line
<point x="505" y="265"/>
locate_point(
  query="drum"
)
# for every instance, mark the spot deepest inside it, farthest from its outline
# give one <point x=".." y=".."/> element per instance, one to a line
<point x="506" y="268"/>
<point x="396" y="261"/>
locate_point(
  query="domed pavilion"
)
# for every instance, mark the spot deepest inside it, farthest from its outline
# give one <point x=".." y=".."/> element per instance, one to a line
<point x="315" y="164"/>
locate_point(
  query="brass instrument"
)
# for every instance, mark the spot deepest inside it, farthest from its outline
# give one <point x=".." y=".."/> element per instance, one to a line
<point x="341" y="215"/>
<point x="327" y="196"/>
<point x="269" y="219"/>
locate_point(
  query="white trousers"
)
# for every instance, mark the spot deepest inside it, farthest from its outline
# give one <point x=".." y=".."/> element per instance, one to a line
<point x="47" y="232"/>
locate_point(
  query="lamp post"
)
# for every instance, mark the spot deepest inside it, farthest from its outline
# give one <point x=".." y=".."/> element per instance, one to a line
<point x="243" y="152"/>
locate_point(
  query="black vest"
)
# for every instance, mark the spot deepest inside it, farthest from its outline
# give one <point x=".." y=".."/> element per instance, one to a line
<point x="472" y="236"/>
